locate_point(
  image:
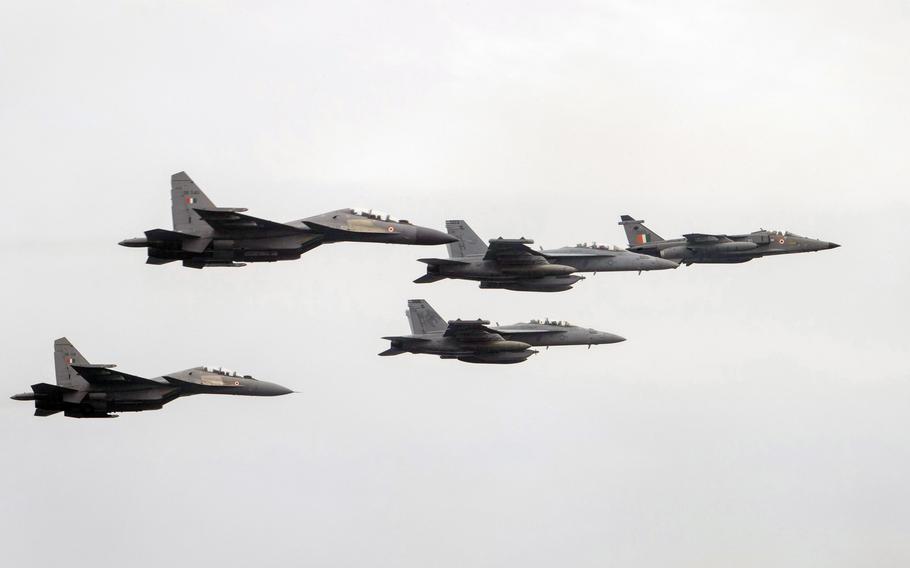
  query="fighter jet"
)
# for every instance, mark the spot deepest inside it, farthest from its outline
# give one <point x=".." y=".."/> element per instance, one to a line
<point x="717" y="249"/>
<point x="476" y="341"/>
<point x="84" y="390"/>
<point x="206" y="235"/>
<point x="512" y="265"/>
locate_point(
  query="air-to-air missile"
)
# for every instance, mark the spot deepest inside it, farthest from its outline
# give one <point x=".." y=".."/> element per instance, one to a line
<point x="84" y="390"/>
<point x="511" y="264"/>
<point x="206" y="235"/>
<point x="476" y="341"/>
<point x="695" y="248"/>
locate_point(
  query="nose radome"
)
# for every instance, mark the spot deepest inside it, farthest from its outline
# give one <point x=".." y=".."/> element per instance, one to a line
<point x="264" y="388"/>
<point x="832" y="245"/>
<point x="605" y="337"/>
<point x="427" y="236"/>
<point x="655" y="263"/>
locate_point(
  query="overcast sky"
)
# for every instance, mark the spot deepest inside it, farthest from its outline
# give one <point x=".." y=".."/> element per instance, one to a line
<point x="757" y="415"/>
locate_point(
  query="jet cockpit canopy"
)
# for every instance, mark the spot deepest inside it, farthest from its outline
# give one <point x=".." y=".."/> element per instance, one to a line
<point x="558" y="323"/>
<point x="596" y="246"/>
<point x="377" y="215"/>
<point x="224" y="372"/>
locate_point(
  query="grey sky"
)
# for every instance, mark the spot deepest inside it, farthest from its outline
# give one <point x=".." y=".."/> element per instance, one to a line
<point x="757" y="415"/>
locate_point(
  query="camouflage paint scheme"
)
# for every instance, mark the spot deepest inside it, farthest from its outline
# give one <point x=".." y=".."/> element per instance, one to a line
<point x="511" y="264"/>
<point x="476" y="341"/>
<point x="206" y="235"/>
<point x="717" y="249"/>
<point x="84" y="390"/>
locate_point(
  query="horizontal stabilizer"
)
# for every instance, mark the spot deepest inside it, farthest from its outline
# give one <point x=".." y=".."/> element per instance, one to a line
<point x="49" y="389"/>
<point x="158" y="261"/>
<point x="165" y="235"/>
<point x="442" y="262"/>
<point x="56" y="392"/>
<point x="391" y="352"/>
<point x="429" y="278"/>
<point x="405" y="338"/>
<point x="46" y="411"/>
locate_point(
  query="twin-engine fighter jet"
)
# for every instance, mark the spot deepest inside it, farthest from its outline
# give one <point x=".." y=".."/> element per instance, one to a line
<point x="476" y="341"/>
<point x="513" y="265"/>
<point x="205" y="235"/>
<point x="84" y="390"/>
<point x="717" y="249"/>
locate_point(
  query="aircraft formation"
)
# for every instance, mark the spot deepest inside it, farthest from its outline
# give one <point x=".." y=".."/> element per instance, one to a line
<point x="204" y="235"/>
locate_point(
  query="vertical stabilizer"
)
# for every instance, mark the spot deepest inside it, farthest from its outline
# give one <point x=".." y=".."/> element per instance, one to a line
<point x="468" y="243"/>
<point x="66" y="355"/>
<point x="423" y="318"/>
<point x="186" y="195"/>
<point x="637" y="233"/>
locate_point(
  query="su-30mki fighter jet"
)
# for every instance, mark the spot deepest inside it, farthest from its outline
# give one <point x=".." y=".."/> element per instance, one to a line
<point x="205" y="235"/>
<point x="717" y="249"/>
<point x="476" y="341"/>
<point x="84" y="390"/>
<point x="512" y="265"/>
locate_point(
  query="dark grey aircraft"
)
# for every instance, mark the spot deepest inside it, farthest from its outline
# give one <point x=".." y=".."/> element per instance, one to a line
<point x="205" y="235"/>
<point x="84" y="390"/>
<point x="513" y="265"/>
<point x="476" y="341"/>
<point x="717" y="249"/>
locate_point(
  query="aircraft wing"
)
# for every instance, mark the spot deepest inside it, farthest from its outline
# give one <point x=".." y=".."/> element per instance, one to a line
<point x="474" y="330"/>
<point x="230" y="221"/>
<point x="103" y="374"/>
<point x="702" y="239"/>
<point x="513" y="251"/>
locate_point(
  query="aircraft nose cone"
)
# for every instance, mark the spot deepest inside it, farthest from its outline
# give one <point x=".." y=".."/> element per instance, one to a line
<point x="427" y="236"/>
<point x="611" y="338"/>
<point x="833" y="245"/>
<point x="264" y="388"/>
<point x="663" y="263"/>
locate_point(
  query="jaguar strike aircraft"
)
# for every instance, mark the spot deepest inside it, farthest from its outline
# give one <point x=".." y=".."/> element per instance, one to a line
<point x="717" y="249"/>
<point x="513" y="265"/>
<point x="205" y="235"/>
<point x="84" y="390"/>
<point x="476" y="341"/>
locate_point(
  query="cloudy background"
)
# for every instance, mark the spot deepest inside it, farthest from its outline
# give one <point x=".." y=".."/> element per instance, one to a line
<point x="756" y="416"/>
